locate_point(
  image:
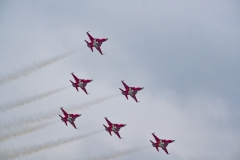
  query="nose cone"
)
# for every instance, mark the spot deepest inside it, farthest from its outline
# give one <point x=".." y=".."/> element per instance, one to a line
<point x="91" y="80"/>
<point x="173" y="140"/>
<point x="142" y="88"/>
<point x="106" y="39"/>
<point x="125" y="124"/>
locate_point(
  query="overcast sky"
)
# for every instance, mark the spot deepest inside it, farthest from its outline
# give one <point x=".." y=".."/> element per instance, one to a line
<point x="184" y="53"/>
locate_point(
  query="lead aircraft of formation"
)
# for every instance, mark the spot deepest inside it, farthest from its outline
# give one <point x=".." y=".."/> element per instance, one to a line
<point x="113" y="127"/>
<point x="161" y="143"/>
<point x="95" y="42"/>
<point x="69" y="118"/>
<point x="80" y="83"/>
<point x="132" y="91"/>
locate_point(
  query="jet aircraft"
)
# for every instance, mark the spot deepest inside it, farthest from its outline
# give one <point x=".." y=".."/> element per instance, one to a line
<point x="95" y="42"/>
<point x="132" y="91"/>
<point x="161" y="143"/>
<point x="113" y="127"/>
<point x="69" y="117"/>
<point x="80" y="83"/>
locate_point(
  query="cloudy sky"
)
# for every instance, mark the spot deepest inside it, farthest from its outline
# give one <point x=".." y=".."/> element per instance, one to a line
<point x="184" y="53"/>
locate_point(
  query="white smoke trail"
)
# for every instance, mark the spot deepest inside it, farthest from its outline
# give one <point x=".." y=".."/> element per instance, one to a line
<point x="18" y="103"/>
<point x="40" y="117"/>
<point x="37" y="148"/>
<point x="33" y="68"/>
<point x="120" y="154"/>
<point x="24" y="131"/>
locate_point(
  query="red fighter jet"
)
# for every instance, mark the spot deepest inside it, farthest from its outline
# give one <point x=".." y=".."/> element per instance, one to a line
<point x="113" y="127"/>
<point x="95" y="42"/>
<point x="80" y="83"/>
<point x="69" y="117"/>
<point x="132" y="91"/>
<point x="161" y="143"/>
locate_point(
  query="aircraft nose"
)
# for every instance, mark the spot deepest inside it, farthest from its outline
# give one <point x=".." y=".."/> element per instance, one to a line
<point x="106" y="39"/>
<point x="91" y="80"/>
<point x="142" y="87"/>
<point x="125" y="124"/>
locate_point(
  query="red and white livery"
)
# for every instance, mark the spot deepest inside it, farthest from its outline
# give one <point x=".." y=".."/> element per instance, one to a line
<point x="69" y="118"/>
<point x="80" y="83"/>
<point x="132" y="91"/>
<point x="113" y="127"/>
<point x="161" y="143"/>
<point x="95" y="42"/>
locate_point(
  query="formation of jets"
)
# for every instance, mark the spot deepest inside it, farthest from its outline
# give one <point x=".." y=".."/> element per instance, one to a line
<point x="132" y="91"/>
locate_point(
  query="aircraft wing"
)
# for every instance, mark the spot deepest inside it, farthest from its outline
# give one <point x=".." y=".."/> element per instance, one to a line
<point x="117" y="133"/>
<point x="76" y="79"/>
<point x="157" y="149"/>
<point x="126" y="86"/>
<point x="109" y="123"/>
<point x="134" y="97"/>
<point x="165" y="149"/>
<point x="73" y="124"/>
<point x="99" y="49"/>
<point x="90" y="37"/>
<point x="64" y="112"/>
<point x="156" y="138"/>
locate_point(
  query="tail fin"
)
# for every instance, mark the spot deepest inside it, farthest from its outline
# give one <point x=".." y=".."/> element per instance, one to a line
<point x="151" y="141"/>
<point x="105" y="126"/>
<point x="124" y="93"/>
<point x="74" y="85"/>
<point x="108" y="130"/>
<point x="61" y="117"/>
<point x="88" y="44"/>
<point x="63" y="120"/>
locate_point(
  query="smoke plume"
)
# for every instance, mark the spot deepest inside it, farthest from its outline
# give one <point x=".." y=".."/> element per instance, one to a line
<point x="49" y="115"/>
<point x="37" y="148"/>
<point x="24" y="131"/>
<point x="120" y="154"/>
<point x="35" y="67"/>
<point x="18" y="103"/>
